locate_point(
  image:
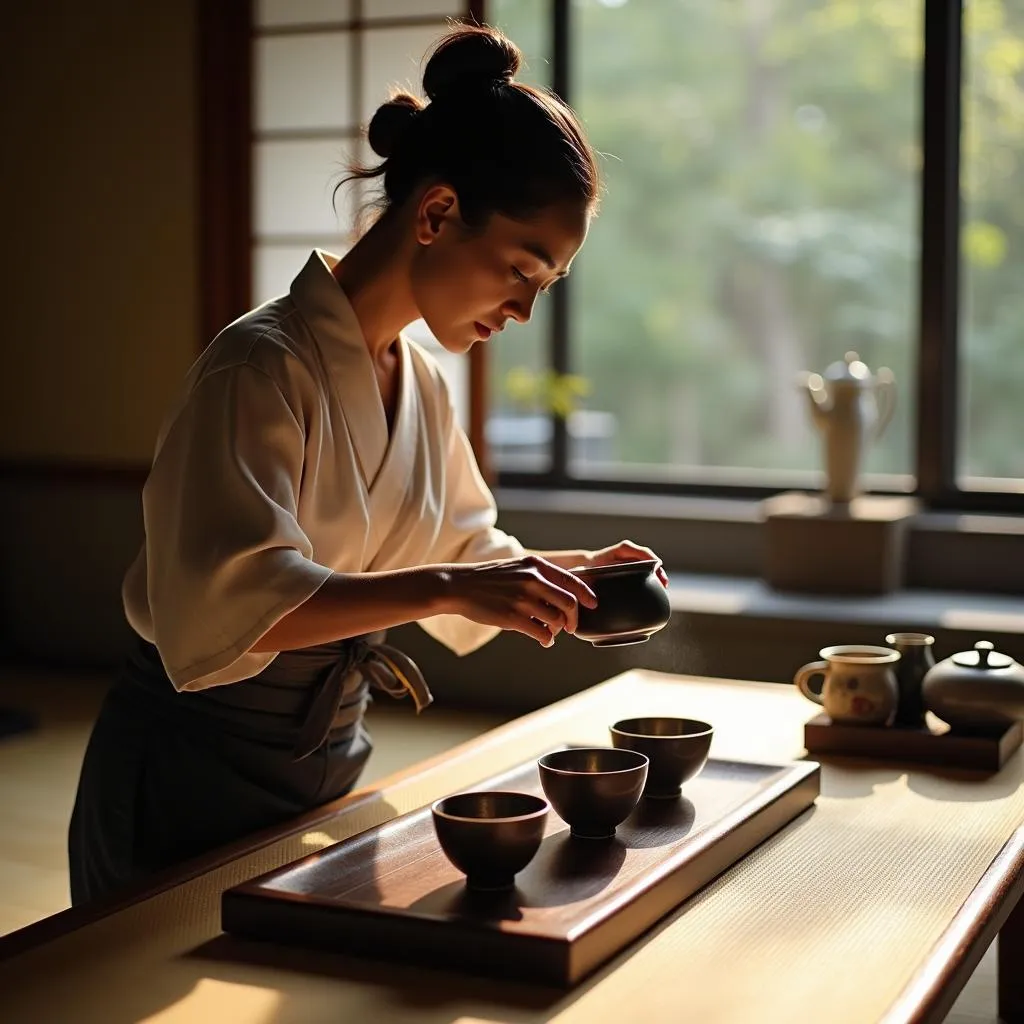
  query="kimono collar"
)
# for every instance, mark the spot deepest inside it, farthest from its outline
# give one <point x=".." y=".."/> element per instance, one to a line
<point x="325" y="307"/>
<point x="329" y="315"/>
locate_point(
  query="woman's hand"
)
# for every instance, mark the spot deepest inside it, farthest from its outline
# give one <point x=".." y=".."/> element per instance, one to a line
<point x="626" y="551"/>
<point x="529" y="594"/>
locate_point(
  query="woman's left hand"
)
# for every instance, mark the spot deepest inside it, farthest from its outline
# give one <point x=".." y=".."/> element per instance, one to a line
<point x="627" y="551"/>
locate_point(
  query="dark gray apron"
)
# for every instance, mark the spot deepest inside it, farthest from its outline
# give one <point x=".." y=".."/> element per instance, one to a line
<point x="168" y="775"/>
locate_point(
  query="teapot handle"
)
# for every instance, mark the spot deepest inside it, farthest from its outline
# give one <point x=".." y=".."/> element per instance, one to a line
<point x="803" y="678"/>
<point x="885" y="395"/>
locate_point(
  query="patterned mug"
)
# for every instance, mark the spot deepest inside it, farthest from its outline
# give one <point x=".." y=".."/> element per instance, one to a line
<point x="859" y="685"/>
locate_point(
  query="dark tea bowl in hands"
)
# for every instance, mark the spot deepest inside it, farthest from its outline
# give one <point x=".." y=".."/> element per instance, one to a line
<point x="593" y="789"/>
<point x="490" y="837"/>
<point x="676" y="747"/>
<point x="632" y="603"/>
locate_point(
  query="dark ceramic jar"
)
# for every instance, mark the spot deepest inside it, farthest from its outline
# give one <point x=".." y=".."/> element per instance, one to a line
<point x="632" y="604"/>
<point x="976" y="691"/>
<point x="916" y="661"/>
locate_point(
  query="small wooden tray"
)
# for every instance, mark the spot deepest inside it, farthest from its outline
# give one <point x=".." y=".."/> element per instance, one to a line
<point x="391" y="893"/>
<point x="932" y="745"/>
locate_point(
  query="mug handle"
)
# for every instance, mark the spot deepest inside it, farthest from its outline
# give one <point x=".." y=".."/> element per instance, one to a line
<point x="804" y="676"/>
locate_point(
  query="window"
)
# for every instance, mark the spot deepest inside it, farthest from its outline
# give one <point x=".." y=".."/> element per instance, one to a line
<point x="767" y="167"/>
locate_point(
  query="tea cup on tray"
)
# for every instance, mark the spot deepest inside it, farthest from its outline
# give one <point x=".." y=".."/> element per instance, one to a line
<point x="593" y="789"/>
<point x="490" y="836"/>
<point x="677" y="749"/>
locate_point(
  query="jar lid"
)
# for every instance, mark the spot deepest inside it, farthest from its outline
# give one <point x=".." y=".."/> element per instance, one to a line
<point x="983" y="656"/>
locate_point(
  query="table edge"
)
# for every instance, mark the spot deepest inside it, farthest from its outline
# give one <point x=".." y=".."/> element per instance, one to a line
<point x="930" y="994"/>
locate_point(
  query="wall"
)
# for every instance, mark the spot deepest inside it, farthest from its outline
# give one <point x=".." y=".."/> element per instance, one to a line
<point x="99" y="184"/>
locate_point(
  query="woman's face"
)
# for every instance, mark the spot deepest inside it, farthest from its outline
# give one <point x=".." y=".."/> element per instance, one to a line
<point x="467" y="284"/>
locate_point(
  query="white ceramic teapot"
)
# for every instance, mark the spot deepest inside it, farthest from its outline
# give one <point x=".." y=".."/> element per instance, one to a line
<point x="850" y="408"/>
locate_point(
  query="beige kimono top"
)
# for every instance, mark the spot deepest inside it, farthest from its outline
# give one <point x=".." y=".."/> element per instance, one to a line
<point x="275" y="469"/>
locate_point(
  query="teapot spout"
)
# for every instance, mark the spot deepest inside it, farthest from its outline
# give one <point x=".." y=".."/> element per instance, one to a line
<point x="818" y="399"/>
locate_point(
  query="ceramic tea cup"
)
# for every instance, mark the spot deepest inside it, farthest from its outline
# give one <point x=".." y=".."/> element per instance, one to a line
<point x="632" y="603"/>
<point x="676" y="747"/>
<point x="593" y="789"/>
<point x="859" y="683"/>
<point x="490" y="836"/>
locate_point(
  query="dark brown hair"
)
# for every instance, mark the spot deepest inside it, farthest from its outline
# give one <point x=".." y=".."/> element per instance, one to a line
<point x="503" y="146"/>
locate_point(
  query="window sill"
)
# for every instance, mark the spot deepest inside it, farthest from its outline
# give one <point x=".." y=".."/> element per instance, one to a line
<point x="640" y="506"/>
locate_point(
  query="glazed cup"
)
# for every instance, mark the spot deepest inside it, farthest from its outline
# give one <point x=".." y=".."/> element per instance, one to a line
<point x="858" y="683"/>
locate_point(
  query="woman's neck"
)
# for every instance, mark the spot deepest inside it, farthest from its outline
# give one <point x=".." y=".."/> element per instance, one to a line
<point x="374" y="275"/>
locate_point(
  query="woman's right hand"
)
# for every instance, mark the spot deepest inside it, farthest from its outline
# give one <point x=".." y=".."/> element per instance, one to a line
<point x="528" y="594"/>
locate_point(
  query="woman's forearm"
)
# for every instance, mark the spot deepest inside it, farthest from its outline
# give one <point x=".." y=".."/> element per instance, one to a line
<point x="351" y="604"/>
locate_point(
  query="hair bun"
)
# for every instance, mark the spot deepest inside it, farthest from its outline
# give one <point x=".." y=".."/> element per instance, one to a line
<point x="470" y="56"/>
<point x="391" y="121"/>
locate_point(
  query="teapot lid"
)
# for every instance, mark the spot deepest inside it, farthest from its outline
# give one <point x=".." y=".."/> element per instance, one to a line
<point x="983" y="656"/>
<point x="848" y="370"/>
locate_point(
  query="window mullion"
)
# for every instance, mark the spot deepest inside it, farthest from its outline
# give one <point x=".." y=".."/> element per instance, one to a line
<point x="939" y="293"/>
<point x="560" y="355"/>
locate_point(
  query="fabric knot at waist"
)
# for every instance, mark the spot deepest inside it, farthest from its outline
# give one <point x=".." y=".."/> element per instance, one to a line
<point x="299" y="700"/>
<point x="341" y="696"/>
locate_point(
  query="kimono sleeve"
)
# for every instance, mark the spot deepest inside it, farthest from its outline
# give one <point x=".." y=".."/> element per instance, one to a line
<point x="226" y="557"/>
<point x="469" y="534"/>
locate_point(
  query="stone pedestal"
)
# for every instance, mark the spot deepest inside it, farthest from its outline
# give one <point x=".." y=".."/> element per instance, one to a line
<point x="814" y="546"/>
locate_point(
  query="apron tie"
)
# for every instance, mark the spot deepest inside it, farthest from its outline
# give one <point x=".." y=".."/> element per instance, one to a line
<point x="341" y="697"/>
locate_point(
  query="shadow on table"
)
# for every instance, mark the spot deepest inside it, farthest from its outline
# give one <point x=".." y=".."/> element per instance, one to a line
<point x="959" y="786"/>
<point x="845" y="778"/>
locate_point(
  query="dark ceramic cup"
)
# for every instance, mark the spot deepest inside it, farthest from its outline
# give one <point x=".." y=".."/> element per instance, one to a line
<point x="490" y="837"/>
<point x="593" y="789"/>
<point x="632" y="604"/>
<point x="676" y="747"/>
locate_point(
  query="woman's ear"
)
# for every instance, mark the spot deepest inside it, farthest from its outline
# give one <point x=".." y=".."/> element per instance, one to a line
<point x="438" y="207"/>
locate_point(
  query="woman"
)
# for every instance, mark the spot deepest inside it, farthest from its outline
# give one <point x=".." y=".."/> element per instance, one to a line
<point x="312" y="488"/>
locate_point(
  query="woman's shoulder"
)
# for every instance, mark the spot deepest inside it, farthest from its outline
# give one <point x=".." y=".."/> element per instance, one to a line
<point x="271" y="339"/>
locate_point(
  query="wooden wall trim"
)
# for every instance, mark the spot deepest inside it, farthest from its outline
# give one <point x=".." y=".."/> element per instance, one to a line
<point x="72" y="474"/>
<point x="225" y="162"/>
<point x="479" y="368"/>
<point x="479" y="361"/>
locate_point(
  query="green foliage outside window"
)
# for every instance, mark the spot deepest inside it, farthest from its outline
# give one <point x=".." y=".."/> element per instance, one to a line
<point x="762" y="218"/>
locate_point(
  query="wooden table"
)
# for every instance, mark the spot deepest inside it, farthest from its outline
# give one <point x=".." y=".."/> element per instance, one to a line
<point x="876" y="905"/>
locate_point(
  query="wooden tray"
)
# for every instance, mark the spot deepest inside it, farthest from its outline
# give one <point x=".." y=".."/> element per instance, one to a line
<point x="391" y="893"/>
<point x="932" y="744"/>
